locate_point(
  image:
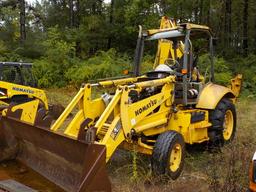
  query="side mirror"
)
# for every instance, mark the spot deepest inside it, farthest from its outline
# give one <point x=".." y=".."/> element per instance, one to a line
<point x="126" y="72"/>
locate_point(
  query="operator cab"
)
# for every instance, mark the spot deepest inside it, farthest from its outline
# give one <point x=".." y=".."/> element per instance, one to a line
<point x="176" y="55"/>
<point x="18" y="73"/>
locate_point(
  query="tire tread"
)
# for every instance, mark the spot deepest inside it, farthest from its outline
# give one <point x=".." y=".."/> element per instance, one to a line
<point x="161" y="152"/>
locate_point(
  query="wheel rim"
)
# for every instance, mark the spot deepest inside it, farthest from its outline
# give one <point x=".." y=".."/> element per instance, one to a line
<point x="175" y="157"/>
<point x="228" y="125"/>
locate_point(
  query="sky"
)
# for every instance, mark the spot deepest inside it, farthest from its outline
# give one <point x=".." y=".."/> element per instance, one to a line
<point x="33" y="1"/>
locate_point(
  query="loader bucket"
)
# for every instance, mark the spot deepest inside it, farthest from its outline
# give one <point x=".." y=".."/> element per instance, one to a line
<point x="71" y="164"/>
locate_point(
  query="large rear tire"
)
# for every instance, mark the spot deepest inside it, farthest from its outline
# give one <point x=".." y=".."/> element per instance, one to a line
<point x="168" y="155"/>
<point x="223" y="119"/>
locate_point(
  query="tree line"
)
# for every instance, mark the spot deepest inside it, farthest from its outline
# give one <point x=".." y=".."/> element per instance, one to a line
<point x="87" y="27"/>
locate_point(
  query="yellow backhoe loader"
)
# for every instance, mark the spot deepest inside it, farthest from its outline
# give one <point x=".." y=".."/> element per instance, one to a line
<point x="155" y="113"/>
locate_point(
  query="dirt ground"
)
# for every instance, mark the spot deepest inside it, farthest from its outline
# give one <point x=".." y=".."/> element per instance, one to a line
<point x="222" y="171"/>
<point x="122" y="177"/>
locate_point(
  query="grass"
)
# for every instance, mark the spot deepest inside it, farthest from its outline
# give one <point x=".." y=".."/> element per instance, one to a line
<point x="223" y="171"/>
<point x="61" y="96"/>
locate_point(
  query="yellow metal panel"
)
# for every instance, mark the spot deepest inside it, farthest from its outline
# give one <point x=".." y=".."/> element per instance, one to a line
<point x="92" y="108"/>
<point x="114" y="137"/>
<point x="165" y="49"/>
<point x="155" y="130"/>
<point x="166" y="23"/>
<point x="135" y="147"/>
<point x="108" y="110"/>
<point x="180" y="122"/>
<point x="211" y="95"/>
<point x="137" y="111"/>
<point x="151" y="121"/>
<point x="28" y="110"/>
<point x="236" y="84"/>
<point x="74" y="126"/>
<point x="68" y="110"/>
<point x="132" y="114"/>
<point x="192" y="132"/>
<point x="199" y="132"/>
<point x="196" y="26"/>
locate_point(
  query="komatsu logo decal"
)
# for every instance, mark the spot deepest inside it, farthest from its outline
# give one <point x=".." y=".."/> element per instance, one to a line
<point x="23" y="90"/>
<point x="145" y="107"/>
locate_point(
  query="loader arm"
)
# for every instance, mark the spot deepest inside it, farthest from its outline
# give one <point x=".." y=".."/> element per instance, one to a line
<point x="97" y="127"/>
<point x="116" y="120"/>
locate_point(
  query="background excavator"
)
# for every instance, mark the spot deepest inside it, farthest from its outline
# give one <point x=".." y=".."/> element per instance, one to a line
<point x="154" y="113"/>
<point x="18" y="85"/>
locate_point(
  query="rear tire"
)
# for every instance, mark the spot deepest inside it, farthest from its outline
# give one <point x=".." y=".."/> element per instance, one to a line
<point x="168" y="155"/>
<point x="223" y="119"/>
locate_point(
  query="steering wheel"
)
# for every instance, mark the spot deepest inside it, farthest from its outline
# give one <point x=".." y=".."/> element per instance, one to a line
<point x="172" y="63"/>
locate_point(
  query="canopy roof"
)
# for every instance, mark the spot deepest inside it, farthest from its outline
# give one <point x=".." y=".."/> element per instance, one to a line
<point x="179" y="32"/>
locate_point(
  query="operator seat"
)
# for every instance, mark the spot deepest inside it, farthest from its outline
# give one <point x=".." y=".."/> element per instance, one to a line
<point x="164" y="67"/>
<point x="161" y="71"/>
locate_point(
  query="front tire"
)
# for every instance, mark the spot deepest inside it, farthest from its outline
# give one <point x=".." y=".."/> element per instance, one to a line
<point x="168" y="155"/>
<point x="223" y="119"/>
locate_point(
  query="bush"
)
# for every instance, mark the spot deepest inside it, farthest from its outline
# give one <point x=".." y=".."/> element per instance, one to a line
<point x="222" y="69"/>
<point x="103" y="65"/>
<point x="247" y="67"/>
<point x="147" y="63"/>
<point x="59" y="66"/>
<point x="58" y="58"/>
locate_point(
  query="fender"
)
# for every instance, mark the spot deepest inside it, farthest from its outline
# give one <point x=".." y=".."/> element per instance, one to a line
<point x="212" y="94"/>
